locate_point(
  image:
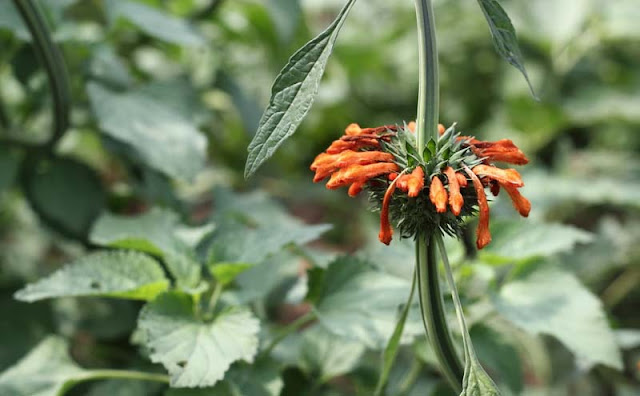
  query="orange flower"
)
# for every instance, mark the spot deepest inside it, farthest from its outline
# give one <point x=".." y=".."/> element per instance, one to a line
<point x="386" y="232"/>
<point x="415" y="182"/>
<point x="455" y="198"/>
<point x="501" y="151"/>
<point x="325" y="164"/>
<point x="356" y="173"/>
<point x="438" y="195"/>
<point x="522" y="205"/>
<point x="462" y="180"/>
<point x="356" y="188"/>
<point x="507" y="176"/>
<point x="482" y="233"/>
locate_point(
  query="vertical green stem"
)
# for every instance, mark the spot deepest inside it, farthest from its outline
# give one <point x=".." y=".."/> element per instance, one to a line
<point x="433" y="315"/>
<point x="431" y="303"/>
<point x="428" y="87"/>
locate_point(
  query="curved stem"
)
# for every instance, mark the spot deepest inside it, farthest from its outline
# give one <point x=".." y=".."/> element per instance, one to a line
<point x="433" y="314"/>
<point x="53" y="63"/>
<point x="92" y="375"/>
<point x="428" y="88"/>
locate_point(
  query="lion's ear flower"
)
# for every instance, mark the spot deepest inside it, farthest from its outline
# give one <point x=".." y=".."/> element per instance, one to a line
<point x="418" y="191"/>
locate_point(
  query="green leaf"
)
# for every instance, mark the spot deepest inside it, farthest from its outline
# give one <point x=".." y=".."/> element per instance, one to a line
<point x="498" y="355"/>
<point x="260" y="280"/>
<point x="46" y="371"/>
<point x="293" y="94"/>
<point x="66" y="194"/>
<point x="164" y="139"/>
<point x="504" y="36"/>
<point x="121" y="274"/>
<point x="476" y="381"/>
<point x="550" y="301"/>
<point x="153" y="232"/>
<point x="225" y="273"/>
<point x="197" y="353"/>
<point x="154" y="22"/>
<point x="259" y="379"/>
<point x="522" y="239"/>
<point x="361" y="303"/>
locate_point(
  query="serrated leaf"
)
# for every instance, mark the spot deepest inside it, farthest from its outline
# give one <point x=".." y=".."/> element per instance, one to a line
<point x="46" y="371"/>
<point x="197" y="353"/>
<point x="504" y="36"/>
<point x="121" y="274"/>
<point x="521" y="240"/>
<point x="153" y="232"/>
<point x="66" y="194"/>
<point x="259" y="379"/>
<point x="550" y="301"/>
<point x="293" y="93"/>
<point x="154" y="22"/>
<point x="362" y="303"/>
<point x="163" y="138"/>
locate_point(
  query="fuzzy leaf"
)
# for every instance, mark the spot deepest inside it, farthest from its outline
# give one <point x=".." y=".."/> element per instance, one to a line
<point x="121" y="274"/>
<point x="154" y="22"/>
<point x="504" y="36"/>
<point x="361" y="303"/>
<point x="293" y="94"/>
<point x="197" y="353"/>
<point x="164" y="139"/>
<point x="550" y="301"/>
<point x="46" y="371"/>
<point x="477" y="382"/>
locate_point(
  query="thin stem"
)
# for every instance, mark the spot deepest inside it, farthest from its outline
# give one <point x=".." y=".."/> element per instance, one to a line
<point x="53" y="63"/>
<point x="213" y="301"/>
<point x="290" y="328"/>
<point x="433" y="314"/>
<point x="92" y="375"/>
<point x="456" y="298"/>
<point x="428" y="88"/>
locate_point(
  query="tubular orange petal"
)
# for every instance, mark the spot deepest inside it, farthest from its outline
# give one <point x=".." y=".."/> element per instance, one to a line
<point x="354" y="173"/>
<point x="462" y="180"/>
<point x="403" y="183"/>
<point x="455" y="198"/>
<point x="415" y="182"/>
<point x="507" y="176"/>
<point x="386" y="232"/>
<point x="503" y="150"/>
<point x="356" y="188"/>
<point x="362" y="158"/>
<point x="483" y="234"/>
<point x="441" y="129"/>
<point x="393" y="176"/>
<point x="438" y="195"/>
<point x="353" y="129"/>
<point x="522" y="205"/>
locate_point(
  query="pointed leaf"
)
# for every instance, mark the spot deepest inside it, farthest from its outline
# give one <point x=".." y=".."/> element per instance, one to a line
<point x="121" y="274"/>
<point x="504" y="36"/>
<point x="197" y="353"/>
<point x="46" y="371"/>
<point x="293" y="94"/>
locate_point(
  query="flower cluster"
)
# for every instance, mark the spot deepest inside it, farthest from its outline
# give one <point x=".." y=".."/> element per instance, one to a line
<point x="423" y="192"/>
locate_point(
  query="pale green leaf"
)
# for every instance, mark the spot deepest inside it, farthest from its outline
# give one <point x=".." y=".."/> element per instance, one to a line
<point x="46" y="371"/>
<point x="504" y="35"/>
<point x="513" y="239"/>
<point x="327" y="356"/>
<point x="197" y="353"/>
<point x="121" y="274"/>
<point x="476" y="381"/>
<point x="66" y="194"/>
<point x="154" y="22"/>
<point x="225" y="273"/>
<point x="553" y="302"/>
<point x="162" y="137"/>
<point x="260" y="280"/>
<point x="360" y="302"/>
<point x="293" y="93"/>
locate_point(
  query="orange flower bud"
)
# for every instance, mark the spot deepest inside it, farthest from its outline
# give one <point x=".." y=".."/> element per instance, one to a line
<point x="415" y="182"/>
<point x="438" y="195"/>
<point x="356" y="188"/>
<point x="393" y="176"/>
<point x="353" y="129"/>
<point x="507" y="176"/>
<point x="441" y="129"/>
<point x="455" y="198"/>
<point x="483" y="234"/>
<point x="386" y="232"/>
<point x="412" y="126"/>
<point x="522" y="205"/>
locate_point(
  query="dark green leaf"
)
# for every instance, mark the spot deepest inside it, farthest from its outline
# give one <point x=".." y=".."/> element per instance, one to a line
<point x="504" y="36"/>
<point x="66" y="194"/>
<point x="293" y="94"/>
<point x="121" y="274"/>
<point x="197" y="353"/>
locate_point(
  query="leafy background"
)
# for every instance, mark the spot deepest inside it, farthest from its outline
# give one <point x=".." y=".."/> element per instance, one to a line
<point x="166" y="97"/>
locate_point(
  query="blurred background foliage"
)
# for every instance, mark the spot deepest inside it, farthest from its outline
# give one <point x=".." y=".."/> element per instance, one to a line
<point x="168" y="93"/>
